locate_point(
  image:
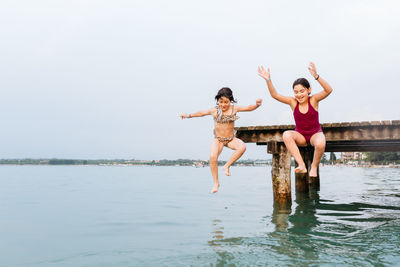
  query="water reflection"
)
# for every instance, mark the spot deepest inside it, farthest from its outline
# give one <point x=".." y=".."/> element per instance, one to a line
<point x="223" y="257"/>
<point x="304" y="218"/>
<point x="316" y="231"/>
<point x="319" y="227"/>
<point x="280" y="216"/>
<point x="311" y="214"/>
<point x="217" y="233"/>
<point x="292" y="230"/>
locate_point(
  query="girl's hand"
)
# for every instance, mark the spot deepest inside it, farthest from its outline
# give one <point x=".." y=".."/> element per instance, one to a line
<point x="184" y="116"/>
<point x="258" y="102"/>
<point x="264" y="73"/>
<point x="313" y="70"/>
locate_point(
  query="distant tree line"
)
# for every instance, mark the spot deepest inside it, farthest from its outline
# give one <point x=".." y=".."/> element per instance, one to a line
<point x="383" y="157"/>
<point x="67" y="162"/>
<point x="332" y="158"/>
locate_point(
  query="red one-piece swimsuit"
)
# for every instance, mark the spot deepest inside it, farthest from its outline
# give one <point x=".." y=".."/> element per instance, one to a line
<point x="307" y="124"/>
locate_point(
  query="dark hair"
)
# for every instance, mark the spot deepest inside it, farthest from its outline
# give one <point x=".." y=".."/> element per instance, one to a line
<point x="303" y="82"/>
<point x="227" y="92"/>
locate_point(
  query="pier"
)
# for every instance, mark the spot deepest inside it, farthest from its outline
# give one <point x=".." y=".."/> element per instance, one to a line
<point x="340" y="137"/>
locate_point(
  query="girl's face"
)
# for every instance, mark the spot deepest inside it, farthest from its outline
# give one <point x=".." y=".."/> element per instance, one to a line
<point x="301" y="93"/>
<point x="224" y="103"/>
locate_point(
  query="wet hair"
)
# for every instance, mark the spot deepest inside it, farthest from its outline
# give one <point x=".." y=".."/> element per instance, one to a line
<point x="227" y="92"/>
<point x="302" y="81"/>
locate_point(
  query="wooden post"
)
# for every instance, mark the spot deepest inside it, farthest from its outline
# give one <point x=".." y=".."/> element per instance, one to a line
<point x="312" y="181"/>
<point x="280" y="172"/>
<point x="303" y="181"/>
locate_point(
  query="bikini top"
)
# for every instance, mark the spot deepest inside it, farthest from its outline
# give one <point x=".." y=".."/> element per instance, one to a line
<point x="221" y="118"/>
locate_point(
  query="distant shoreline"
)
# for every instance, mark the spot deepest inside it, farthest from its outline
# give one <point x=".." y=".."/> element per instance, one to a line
<point x="126" y="162"/>
<point x="160" y="163"/>
<point x="167" y="162"/>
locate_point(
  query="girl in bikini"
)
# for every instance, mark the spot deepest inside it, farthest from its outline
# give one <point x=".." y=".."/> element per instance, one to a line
<point x="224" y="121"/>
<point x="305" y="112"/>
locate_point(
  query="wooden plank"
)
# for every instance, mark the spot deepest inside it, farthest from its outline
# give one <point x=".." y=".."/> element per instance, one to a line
<point x="326" y="125"/>
<point x="355" y="124"/>
<point x="242" y="128"/>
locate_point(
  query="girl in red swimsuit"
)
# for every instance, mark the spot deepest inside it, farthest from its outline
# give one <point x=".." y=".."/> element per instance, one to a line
<point x="305" y="112"/>
<point x="224" y="135"/>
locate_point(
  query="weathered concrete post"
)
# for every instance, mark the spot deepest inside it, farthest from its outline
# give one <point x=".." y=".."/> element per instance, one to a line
<point x="303" y="181"/>
<point x="280" y="171"/>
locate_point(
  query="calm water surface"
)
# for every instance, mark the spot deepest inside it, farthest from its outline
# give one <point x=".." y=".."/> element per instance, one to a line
<point x="165" y="216"/>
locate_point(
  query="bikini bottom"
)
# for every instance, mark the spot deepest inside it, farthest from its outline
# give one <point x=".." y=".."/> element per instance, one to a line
<point x="224" y="140"/>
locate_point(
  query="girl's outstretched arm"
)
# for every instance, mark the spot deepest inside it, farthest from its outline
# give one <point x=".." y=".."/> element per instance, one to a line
<point x="327" y="88"/>
<point x="251" y="107"/>
<point x="197" y="114"/>
<point x="267" y="77"/>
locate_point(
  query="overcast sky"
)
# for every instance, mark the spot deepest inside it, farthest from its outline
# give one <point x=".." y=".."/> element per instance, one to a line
<point x="108" y="79"/>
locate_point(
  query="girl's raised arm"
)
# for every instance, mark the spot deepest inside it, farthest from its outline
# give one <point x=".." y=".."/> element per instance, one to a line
<point x="251" y="107"/>
<point x="267" y="76"/>
<point x="197" y="114"/>
<point x="327" y="88"/>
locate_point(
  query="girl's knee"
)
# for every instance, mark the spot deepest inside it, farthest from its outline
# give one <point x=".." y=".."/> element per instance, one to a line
<point x="213" y="158"/>
<point x="243" y="148"/>
<point x="320" y="144"/>
<point x="287" y="135"/>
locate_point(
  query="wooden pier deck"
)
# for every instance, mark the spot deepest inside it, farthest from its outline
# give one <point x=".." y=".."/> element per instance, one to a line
<point x="340" y="137"/>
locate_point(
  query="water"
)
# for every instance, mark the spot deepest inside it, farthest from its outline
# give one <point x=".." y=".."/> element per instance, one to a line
<point x="165" y="216"/>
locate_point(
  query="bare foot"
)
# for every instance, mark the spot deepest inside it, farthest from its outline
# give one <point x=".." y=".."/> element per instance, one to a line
<point x="215" y="188"/>
<point x="300" y="169"/>
<point x="313" y="172"/>
<point x="226" y="170"/>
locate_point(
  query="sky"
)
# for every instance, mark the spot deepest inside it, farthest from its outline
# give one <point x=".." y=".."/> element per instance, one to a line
<point x="108" y="79"/>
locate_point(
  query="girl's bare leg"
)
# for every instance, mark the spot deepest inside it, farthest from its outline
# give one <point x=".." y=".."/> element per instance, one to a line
<point x="293" y="139"/>
<point x="239" y="147"/>
<point x="216" y="149"/>
<point x="318" y="142"/>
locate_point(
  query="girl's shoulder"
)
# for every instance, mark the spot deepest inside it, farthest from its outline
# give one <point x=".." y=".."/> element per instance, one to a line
<point x="293" y="102"/>
<point x="313" y="102"/>
<point x="312" y="99"/>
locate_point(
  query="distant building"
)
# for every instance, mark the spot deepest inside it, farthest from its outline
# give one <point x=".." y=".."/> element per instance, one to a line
<point x="346" y="156"/>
